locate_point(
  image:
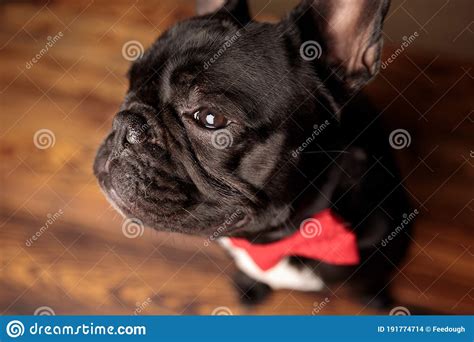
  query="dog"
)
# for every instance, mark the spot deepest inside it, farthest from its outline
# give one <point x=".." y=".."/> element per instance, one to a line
<point x="241" y="130"/>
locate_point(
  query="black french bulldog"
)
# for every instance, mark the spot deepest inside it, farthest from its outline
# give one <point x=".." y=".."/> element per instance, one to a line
<point x="226" y="115"/>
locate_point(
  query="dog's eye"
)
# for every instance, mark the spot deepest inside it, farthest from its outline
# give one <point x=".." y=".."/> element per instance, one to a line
<point x="209" y="119"/>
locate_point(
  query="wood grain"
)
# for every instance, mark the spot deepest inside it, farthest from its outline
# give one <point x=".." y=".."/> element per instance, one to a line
<point x="83" y="264"/>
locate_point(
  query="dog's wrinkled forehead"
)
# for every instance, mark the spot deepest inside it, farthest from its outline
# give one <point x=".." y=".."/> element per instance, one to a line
<point x="209" y="59"/>
<point x="199" y="61"/>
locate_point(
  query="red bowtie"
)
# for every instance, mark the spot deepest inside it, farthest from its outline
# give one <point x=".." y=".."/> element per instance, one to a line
<point x="322" y="237"/>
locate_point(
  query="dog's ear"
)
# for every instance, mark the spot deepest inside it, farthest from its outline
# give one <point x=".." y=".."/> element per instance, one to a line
<point x="348" y="34"/>
<point x="236" y="10"/>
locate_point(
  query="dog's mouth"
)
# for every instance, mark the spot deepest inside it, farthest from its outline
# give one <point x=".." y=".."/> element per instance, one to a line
<point x="138" y="188"/>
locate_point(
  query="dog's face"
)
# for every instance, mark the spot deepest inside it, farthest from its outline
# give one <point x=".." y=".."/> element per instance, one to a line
<point x="215" y="108"/>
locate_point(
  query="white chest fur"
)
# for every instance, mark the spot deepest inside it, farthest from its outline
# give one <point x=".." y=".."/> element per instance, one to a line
<point x="282" y="276"/>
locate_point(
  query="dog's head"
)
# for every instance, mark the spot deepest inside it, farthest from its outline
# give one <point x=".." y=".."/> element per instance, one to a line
<point x="217" y="106"/>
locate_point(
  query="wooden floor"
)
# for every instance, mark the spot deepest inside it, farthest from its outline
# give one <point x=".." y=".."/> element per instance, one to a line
<point x="82" y="263"/>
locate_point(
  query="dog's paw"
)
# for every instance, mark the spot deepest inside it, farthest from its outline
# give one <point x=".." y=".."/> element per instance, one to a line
<point x="250" y="291"/>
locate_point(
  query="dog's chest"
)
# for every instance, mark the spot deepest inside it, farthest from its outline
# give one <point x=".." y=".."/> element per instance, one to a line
<point x="283" y="275"/>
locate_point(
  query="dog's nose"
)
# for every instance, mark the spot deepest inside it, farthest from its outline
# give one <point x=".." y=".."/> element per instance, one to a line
<point x="131" y="126"/>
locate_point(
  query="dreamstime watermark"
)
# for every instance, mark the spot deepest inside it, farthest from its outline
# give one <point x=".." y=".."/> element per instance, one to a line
<point x="406" y="220"/>
<point x="44" y="138"/>
<point x="51" y="41"/>
<point x="15" y="329"/>
<point x="133" y="228"/>
<point x="399" y="139"/>
<point x="140" y="307"/>
<point x="227" y="44"/>
<point x="44" y="311"/>
<point x="318" y="129"/>
<point x="132" y="50"/>
<point x="311" y="228"/>
<point x="407" y="41"/>
<point x="52" y="218"/>
<point x="400" y="311"/>
<point x="229" y="221"/>
<point x="221" y="311"/>
<point x="319" y="306"/>
<point x="311" y="50"/>
<point x="222" y="139"/>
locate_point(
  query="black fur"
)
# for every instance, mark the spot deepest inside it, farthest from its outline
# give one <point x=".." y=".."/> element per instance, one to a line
<point x="159" y="166"/>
